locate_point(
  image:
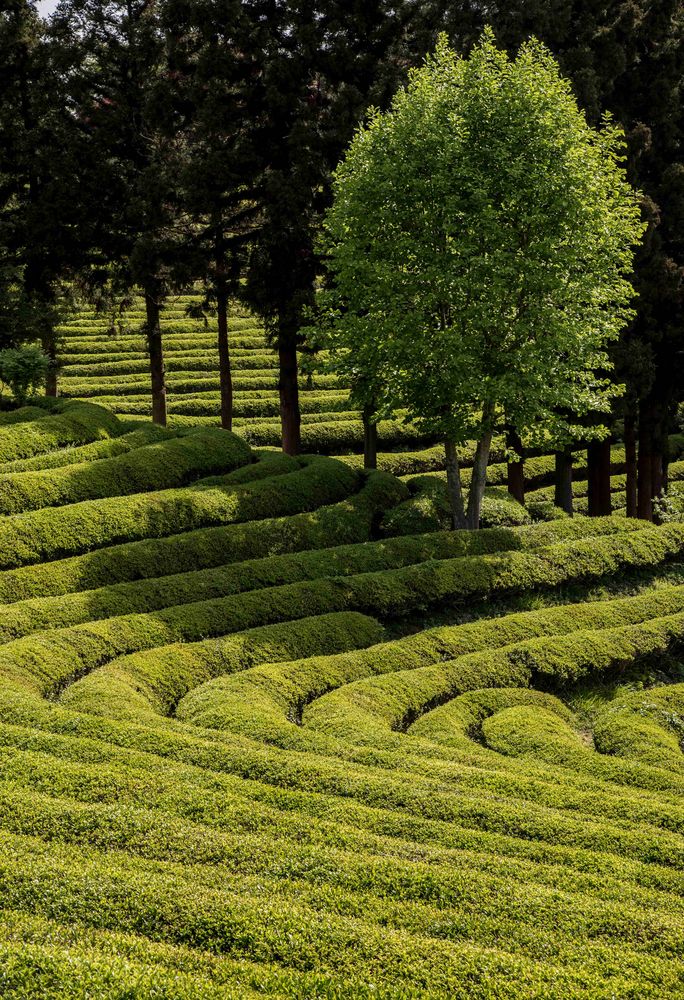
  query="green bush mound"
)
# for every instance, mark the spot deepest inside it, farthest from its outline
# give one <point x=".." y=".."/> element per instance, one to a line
<point x="77" y="423"/>
<point x="22" y="415"/>
<point x="156" y="466"/>
<point x="32" y="615"/>
<point x="345" y="522"/>
<point x="138" y="368"/>
<point x="142" y="434"/>
<point x="645" y="726"/>
<point x="529" y="724"/>
<point x="337" y="437"/>
<point x="429" y="509"/>
<point x="52" y="533"/>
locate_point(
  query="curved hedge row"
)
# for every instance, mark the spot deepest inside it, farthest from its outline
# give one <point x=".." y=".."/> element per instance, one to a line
<point x="129" y="440"/>
<point x="347" y="521"/>
<point x="52" y="533"/>
<point x="47" y="660"/>
<point x="336" y="437"/>
<point x="429" y="509"/>
<point x="155" y="466"/>
<point x="77" y="423"/>
<point x="147" y="684"/>
<point x="23" y="617"/>
<point x="421" y="671"/>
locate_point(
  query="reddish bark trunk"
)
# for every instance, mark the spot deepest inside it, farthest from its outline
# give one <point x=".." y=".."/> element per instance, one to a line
<point x="516" y="470"/>
<point x="598" y="468"/>
<point x="631" y="464"/>
<point x="51" y="378"/>
<point x="645" y="469"/>
<point x="563" y="481"/>
<point x="370" y="438"/>
<point x="288" y="389"/>
<point x="453" y="471"/>
<point x="157" y="372"/>
<point x="225" y="373"/>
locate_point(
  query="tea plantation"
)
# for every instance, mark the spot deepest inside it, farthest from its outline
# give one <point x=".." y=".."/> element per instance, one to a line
<point x="267" y="730"/>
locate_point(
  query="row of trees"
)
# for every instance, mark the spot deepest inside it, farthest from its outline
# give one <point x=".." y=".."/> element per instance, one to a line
<point x="151" y="143"/>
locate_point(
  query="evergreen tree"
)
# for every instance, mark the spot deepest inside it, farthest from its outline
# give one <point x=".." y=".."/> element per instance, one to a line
<point x="212" y="66"/>
<point x="319" y="67"/>
<point x="120" y="87"/>
<point x="40" y="171"/>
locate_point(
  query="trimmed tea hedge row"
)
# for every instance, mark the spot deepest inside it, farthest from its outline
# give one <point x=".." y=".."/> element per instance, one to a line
<point x="52" y="533"/>
<point x="156" y="466"/>
<point x="142" y="434"/>
<point x="24" y="617"/>
<point x="77" y="423"/>
<point x="334" y="438"/>
<point x="47" y="660"/>
<point x="429" y="509"/>
<point x="146" y="684"/>
<point x="347" y="521"/>
<point x="22" y="415"/>
<point x="422" y="670"/>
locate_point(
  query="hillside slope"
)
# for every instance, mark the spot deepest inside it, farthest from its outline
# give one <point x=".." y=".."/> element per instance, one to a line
<point x="252" y="748"/>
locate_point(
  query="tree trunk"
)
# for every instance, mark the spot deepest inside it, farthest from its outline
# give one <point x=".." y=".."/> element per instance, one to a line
<point x="51" y="378"/>
<point x="157" y="372"/>
<point x="657" y="475"/>
<point x="516" y="470"/>
<point x="458" y="518"/>
<point x="645" y="467"/>
<point x="478" y="480"/>
<point x="370" y="438"/>
<point x="225" y="373"/>
<point x="563" y="481"/>
<point x="288" y="389"/>
<point x="631" y="464"/>
<point x="598" y="467"/>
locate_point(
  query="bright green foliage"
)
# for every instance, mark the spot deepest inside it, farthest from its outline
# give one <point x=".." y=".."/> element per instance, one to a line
<point x="480" y="244"/>
<point x="23" y="370"/>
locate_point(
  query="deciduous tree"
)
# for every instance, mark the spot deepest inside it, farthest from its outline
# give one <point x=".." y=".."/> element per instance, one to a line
<point x="480" y="243"/>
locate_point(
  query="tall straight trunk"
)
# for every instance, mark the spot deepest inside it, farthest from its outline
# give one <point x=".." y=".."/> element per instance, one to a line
<point x="645" y="467"/>
<point x="370" y="438"/>
<point x="657" y="473"/>
<point x="290" y="418"/>
<point x="225" y="373"/>
<point x="666" y="461"/>
<point x="453" y="471"/>
<point x="51" y="377"/>
<point x="478" y="480"/>
<point x="516" y="470"/>
<point x="631" y="464"/>
<point x="598" y="467"/>
<point x="562" y="492"/>
<point x="157" y="372"/>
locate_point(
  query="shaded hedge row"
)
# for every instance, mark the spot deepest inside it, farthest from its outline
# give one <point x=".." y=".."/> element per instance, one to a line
<point x="47" y="534"/>
<point x="157" y="466"/>
<point x="47" y="660"/>
<point x="24" y="617"/>
<point x="76" y="423"/>
<point x="346" y="521"/>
